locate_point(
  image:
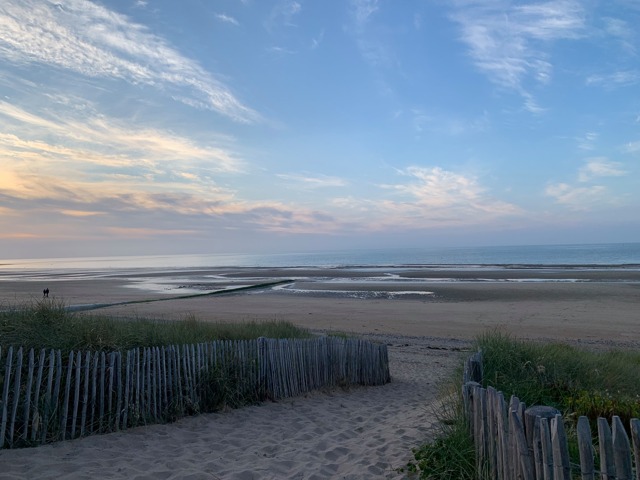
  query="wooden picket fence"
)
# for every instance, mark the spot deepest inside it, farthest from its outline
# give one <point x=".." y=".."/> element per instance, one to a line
<point x="47" y="397"/>
<point x="515" y="442"/>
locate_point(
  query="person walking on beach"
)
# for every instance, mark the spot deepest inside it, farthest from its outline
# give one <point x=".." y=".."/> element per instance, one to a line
<point x="45" y="293"/>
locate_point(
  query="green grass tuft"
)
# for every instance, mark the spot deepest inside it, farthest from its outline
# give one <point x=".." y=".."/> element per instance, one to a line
<point x="576" y="381"/>
<point x="48" y="324"/>
<point x="451" y="456"/>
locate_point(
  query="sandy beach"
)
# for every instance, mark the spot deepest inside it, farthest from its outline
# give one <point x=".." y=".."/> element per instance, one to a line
<point x="428" y="319"/>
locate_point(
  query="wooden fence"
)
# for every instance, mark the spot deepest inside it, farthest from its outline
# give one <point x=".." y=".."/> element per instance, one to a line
<point x="515" y="442"/>
<point x="47" y="397"/>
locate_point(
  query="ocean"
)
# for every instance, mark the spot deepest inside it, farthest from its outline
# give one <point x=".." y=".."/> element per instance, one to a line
<point x="601" y="255"/>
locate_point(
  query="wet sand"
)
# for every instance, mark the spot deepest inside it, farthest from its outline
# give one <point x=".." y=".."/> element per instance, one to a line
<point x="556" y="303"/>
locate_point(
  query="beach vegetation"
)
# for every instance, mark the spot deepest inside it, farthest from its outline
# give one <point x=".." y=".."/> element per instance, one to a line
<point x="451" y="454"/>
<point x="50" y="324"/>
<point x="577" y="381"/>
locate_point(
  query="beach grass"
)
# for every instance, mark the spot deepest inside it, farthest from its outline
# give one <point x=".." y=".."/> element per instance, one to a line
<point x="49" y="324"/>
<point x="451" y="456"/>
<point x="576" y="381"/>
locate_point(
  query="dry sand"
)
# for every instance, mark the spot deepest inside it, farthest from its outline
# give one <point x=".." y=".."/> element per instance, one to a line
<point x="361" y="433"/>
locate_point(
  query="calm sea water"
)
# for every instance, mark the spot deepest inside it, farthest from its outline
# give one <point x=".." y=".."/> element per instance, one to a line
<point x="611" y="254"/>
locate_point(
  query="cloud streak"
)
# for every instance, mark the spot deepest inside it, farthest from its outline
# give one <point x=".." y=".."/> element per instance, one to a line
<point x="509" y="43"/>
<point x="227" y="19"/>
<point x="87" y="38"/>
<point x="600" y="167"/>
<point x="431" y="197"/>
<point x="313" y="181"/>
<point x="82" y="161"/>
<point x="583" y="197"/>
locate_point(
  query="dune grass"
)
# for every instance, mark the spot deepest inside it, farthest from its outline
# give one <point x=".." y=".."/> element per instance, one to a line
<point x="576" y="381"/>
<point x="48" y="324"/>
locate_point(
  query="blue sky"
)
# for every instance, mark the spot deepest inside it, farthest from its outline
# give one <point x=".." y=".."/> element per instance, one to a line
<point x="242" y="126"/>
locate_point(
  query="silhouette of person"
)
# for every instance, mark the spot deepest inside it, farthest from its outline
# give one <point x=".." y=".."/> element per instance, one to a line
<point x="45" y="293"/>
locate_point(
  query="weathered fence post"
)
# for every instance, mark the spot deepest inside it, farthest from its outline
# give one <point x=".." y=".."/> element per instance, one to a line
<point x="76" y="394"/>
<point x="67" y="392"/>
<point x="522" y="458"/>
<point x="473" y="368"/>
<point x="532" y="416"/>
<point x="36" y="402"/>
<point x="607" y="463"/>
<point x="85" y="394"/>
<point x="16" y="396"/>
<point x="621" y="450"/>
<point x="586" y="449"/>
<point x="635" y="440"/>
<point x="27" y="399"/>
<point x="5" y="394"/>
<point x="561" y="466"/>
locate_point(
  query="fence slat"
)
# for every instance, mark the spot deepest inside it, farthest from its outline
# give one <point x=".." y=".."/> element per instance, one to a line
<point x="621" y="450"/>
<point x="5" y="395"/>
<point x="165" y="378"/>
<point x="76" y="396"/>
<point x="635" y="440"/>
<point x="67" y="393"/>
<point x="127" y="389"/>
<point x="94" y="391"/>
<point x="27" y="399"/>
<point x="36" y="401"/>
<point x="119" y="381"/>
<point x="607" y="462"/>
<point x="523" y="458"/>
<point x="16" y="396"/>
<point x="47" y="398"/>
<point x="101" y="398"/>
<point x="85" y="394"/>
<point x="585" y="448"/>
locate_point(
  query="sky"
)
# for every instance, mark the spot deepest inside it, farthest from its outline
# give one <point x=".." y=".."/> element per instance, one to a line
<point x="132" y="127"/>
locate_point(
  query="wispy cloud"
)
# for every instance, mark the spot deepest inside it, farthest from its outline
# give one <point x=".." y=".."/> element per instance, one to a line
<point x="18" y="235"/>
<point x="316" y="41"/>
<point x="362" y="11"/>
<point x="588" y="197"/>
<point x="578" y="198"/>
<point x="227" y="19"/>
<point x="283" y="14"/>
<point x="435" y="187"/>
<point x="313" y="181"/>
<point x="586" y="141"/>
<point x="600" y="167"/>
<point x="80" y="213"/>
<point x="93" y="41"/>
<point x="280" y="50"/>
<point x="435" y="197"/>
<point x="622" y="31"/>
<point x="632" y="147"/>
<point x="622" y="78"/>
<point x="423" y="121"/>
<point x="509" y="42"/>
<point x="133" y="232"/>
<point x="370" y="45"/>
<point x="65" y="156"/>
